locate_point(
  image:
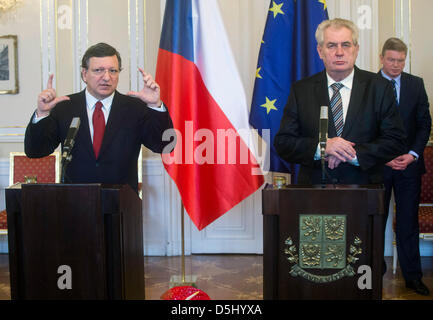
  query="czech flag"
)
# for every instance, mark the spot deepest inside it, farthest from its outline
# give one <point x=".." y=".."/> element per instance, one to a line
<point x="214" y="164"/>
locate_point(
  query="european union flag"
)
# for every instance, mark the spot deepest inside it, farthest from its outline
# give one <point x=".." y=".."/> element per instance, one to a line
<point x="288" y="53"/>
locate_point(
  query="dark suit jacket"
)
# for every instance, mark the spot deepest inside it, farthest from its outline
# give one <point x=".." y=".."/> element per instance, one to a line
<point x="130" y="124"/>
<point x="414" y="111"/>
<point x="372" y="122"/>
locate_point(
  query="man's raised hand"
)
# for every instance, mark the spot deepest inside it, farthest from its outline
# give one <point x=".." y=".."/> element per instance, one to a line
<point x="150" y="93"/>
<point x="47" y="99"/>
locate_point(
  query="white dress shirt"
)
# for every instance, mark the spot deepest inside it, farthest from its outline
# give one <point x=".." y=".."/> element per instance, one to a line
<point x="106" y="108"/>
<point x="345" y="92"/>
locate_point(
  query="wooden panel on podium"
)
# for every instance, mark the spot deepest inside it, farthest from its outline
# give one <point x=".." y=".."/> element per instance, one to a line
<point x="95" y="230"/>
<point x="316" y="238"/>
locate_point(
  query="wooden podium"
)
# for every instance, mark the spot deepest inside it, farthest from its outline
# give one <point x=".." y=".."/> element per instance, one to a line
<point x="95" y="230"/>
<point x="316" y="238"/>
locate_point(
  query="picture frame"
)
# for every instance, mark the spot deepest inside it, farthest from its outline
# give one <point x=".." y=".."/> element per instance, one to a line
<point x="9" y="64"/>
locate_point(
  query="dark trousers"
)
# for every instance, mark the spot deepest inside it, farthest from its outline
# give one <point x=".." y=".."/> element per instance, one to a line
<point x="407" y="189"/>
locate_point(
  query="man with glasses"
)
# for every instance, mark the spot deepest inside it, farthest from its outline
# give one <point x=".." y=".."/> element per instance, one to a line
<point x="113" y="126"/>
<point x="403" y="173"/>
<point x="365" y="130"/>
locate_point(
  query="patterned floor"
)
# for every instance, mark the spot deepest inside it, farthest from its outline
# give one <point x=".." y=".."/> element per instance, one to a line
<point x="227" y="277"/>
<point x="231" y="277"/>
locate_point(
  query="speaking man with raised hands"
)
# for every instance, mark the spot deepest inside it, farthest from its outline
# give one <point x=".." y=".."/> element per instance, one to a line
<point x="113" y="126"/>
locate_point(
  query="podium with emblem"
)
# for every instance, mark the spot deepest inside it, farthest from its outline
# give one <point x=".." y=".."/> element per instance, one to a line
<point x="323" y="242"/>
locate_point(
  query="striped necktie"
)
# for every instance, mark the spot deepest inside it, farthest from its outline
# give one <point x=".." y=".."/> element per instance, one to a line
<point x="337" y="108"/>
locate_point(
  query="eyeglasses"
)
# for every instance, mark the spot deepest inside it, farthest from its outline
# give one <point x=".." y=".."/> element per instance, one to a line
<point x="102" y="71"/>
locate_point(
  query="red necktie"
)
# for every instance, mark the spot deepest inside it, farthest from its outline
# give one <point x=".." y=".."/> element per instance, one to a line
<point x="98" y="127"/>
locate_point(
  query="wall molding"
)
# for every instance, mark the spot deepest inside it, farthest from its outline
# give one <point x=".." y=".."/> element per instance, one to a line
<point x="403" y="26"/>
<point x="137" y="26"/>
<point x="48" y="40"/>
<point x="80" y="39"/>
<point x="13" y="134"/>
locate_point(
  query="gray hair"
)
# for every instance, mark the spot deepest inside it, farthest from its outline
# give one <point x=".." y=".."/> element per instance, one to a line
<point x="337" y="23"/>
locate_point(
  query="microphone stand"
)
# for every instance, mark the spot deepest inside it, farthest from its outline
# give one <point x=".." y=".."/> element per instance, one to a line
<point x="66" y="159"/>
<point x="325" y="173"/>
<point x="322" y="160"/>
<point x="68" y="145"/>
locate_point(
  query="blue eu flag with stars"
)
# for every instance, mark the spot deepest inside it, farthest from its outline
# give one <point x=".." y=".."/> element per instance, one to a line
<point x="288" y="53"/>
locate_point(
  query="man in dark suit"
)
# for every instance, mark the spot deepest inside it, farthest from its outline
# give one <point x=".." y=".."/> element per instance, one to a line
<point x="113" y="126"/>
<point x="403" y="173"/>
<point x="365" y="131"/>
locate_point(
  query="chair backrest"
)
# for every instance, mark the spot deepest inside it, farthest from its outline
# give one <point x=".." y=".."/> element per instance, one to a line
<point x="427" y="178"/>
<point x="3" y="222"/>
<point x="46" y="169"/>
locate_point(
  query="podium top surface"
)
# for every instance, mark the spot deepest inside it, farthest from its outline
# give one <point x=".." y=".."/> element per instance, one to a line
<point x="271" y="187"/>
<point x="19" y="185"/>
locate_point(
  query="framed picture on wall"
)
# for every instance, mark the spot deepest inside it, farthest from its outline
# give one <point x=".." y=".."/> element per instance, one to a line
<point x="8" y="65"/>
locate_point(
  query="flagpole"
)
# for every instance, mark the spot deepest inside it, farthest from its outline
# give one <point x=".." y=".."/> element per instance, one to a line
<point x="182" y="219"/>
<point x="183" y="279"/>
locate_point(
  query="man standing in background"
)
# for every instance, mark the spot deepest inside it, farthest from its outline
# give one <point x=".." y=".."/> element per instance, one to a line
<point x="403" y="174"/>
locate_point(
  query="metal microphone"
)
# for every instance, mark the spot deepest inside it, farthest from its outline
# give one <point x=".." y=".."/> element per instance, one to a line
<point x="323" y="136"/>
<point x="323" y="130"/>
<point x="69" y="144"/>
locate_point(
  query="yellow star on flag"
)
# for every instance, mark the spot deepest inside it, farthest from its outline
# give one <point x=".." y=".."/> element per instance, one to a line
<point x="269" y="105"/>
<point x="258" y="73"/>
<point x="276" y="8"/>
<point x="324" y="4"/>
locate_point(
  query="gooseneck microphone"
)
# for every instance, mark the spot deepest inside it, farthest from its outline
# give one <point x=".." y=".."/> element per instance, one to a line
<point x="68" y="145"/>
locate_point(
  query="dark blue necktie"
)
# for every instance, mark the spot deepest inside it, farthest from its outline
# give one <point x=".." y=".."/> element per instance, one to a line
<point x="395" y="90"/>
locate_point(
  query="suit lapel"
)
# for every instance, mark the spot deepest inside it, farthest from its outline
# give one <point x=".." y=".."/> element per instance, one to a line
<point x="355" y="103"/>
<point x="404" y="96"/>
<point x="113" y="123"/>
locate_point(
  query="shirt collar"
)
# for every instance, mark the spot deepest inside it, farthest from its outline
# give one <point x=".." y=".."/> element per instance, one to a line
<point x="91" y="101"/>
<point x="346" y="82"/>
<point x="397" y="80"/>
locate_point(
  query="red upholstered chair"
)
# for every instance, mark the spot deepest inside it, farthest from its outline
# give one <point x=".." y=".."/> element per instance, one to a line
<point x="425" y="212"/>
<point x="3" y="222"/>
<point x="46" y="170"/>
